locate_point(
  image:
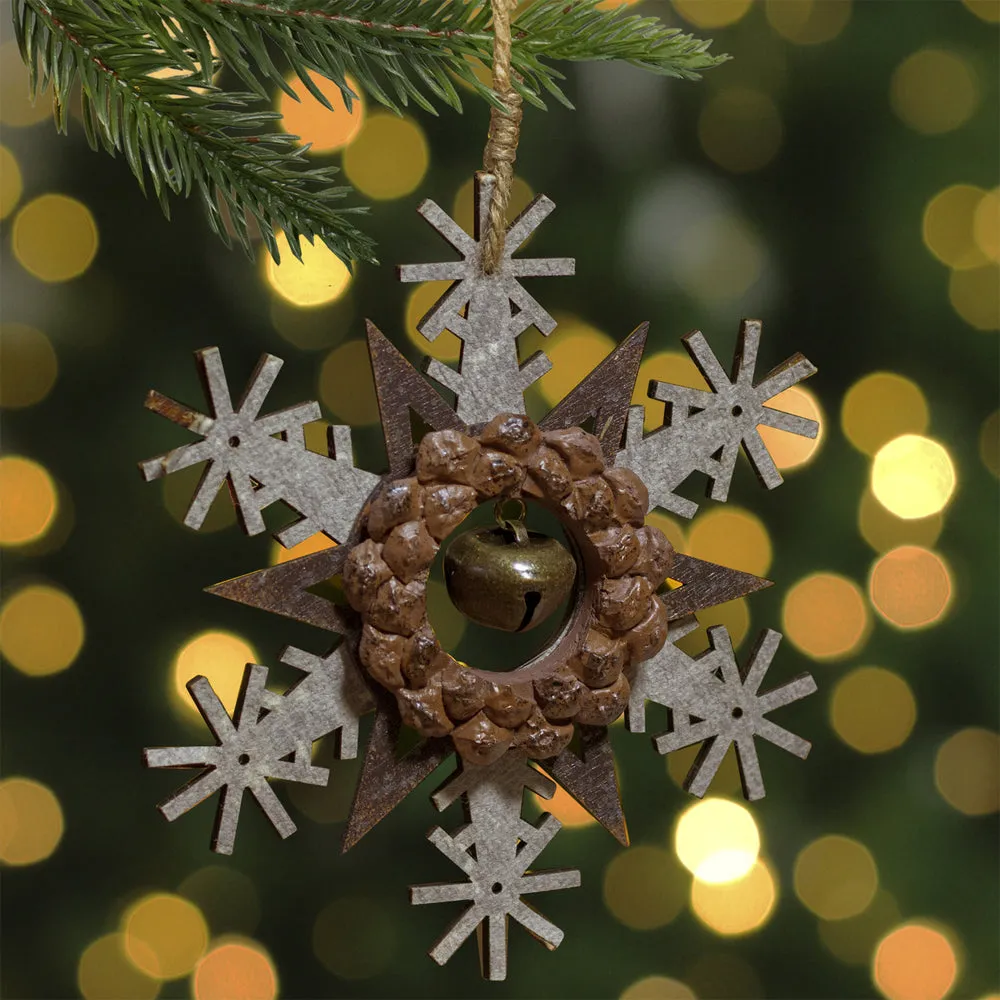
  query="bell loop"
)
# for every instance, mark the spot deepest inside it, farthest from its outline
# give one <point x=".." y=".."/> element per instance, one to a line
<point x="514" y="525"/>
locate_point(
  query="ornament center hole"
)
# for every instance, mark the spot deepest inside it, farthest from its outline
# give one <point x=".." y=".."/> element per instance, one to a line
<point x="737" y="411"/>
<point x="244" y="759"/>
<point x="497" y="888"/>
<point x="737" y="712"/>
<point x="234" y="441"/>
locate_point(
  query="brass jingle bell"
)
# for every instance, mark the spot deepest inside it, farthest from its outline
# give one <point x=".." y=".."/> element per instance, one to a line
<point x="508" y="577"/>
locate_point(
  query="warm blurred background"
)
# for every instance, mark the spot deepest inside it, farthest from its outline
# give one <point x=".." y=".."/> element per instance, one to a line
<point x="838" y="179"/>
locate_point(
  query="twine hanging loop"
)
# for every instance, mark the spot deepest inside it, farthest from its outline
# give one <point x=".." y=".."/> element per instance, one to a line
<point x="505" y="130"/>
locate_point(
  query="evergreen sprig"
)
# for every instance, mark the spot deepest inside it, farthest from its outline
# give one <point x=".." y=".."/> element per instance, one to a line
<point x="186" y="134"/>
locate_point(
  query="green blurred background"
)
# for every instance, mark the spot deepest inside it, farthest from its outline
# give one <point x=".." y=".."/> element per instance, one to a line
<point x="838" y="179"/>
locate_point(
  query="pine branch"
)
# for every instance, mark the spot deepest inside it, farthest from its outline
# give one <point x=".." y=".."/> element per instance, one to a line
<point x="185" y="134"/>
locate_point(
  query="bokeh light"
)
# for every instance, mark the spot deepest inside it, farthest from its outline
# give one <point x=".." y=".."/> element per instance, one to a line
<point x="967" y="771"/>
<point x="986" y="224"/>
<point x="31" y="821"/>
<point x="853" y="939"/>
<point x="315" y="328"/>
<point x="873" y="710"/>
<point x="463" y="204"/>
<point x="644" y="887"/>
<point x="315" y="123"/>
<point x="576" y="350"/>
<point x="835" y="877"/>
<point x="346" y="385"/>
<point x="884" y="531"/>
<point x="740" y="129"/>
<point x="16" y="106"/>
<point x="54" y="237"/>
<point x="717" y="840"/>
<point x="989" y="442"/>
<point x="354" y="938"/>
<point x="165" y="935"/>
<point x="789" y="451"/>
<point x="388" y="159"/>
<point x="934" y="91"/>
<point x="711" y="13"/>
<point x="808" y="22"/>
<point x="563" y="806"/>
<point x="826" y="616"/>
<point x="975" y="296"/>
<point x="910" y="587"/>
<point x="11" y="183"/>
<point x="320" y="277"/>
<point x="422" y="298"/>
<point x="28" y="503"/>
<point x="105" y="973"/>
<point x="913" y="476"/>
<point x="219" y="656"/>
<point x="985" y="10"/>
<point x="236" y="969"/>
<point x="675" y="367"/>
<point x="658" y="988"/>
<point x="732" y="537"/>
<point x="226" y="897"/>
<point x="28" y="365"/>
<point x="41" y="630"/>
<point x="915" y="962"/>
<point x="949" y="226"/>
<point x="314" y="543"/>
<point x="882" y="406"/>
<point x="735" y="908"/>
<point x="670" y="527"/>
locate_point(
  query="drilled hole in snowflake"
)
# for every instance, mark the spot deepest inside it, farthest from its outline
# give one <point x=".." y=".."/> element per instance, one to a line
<point x="234" y="441"/>
<point x="497" y="888"/>
<point x="737" y="712"/>
<point x="737" y="411"/>
<point x="244" y="759"/>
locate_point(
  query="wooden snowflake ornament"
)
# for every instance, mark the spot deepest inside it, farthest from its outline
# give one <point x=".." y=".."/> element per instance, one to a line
<point x="590" y="463"/>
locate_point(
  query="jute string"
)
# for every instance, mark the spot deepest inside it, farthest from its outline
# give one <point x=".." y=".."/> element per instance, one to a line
<point x="505" y="129"/>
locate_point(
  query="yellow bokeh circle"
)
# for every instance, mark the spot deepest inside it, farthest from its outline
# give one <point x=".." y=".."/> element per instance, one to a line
<point x="105" y="972"/>
<point x="219" y="656"/>
<point x="808" y="22"/>
<point x="11" y="184"/>
<point x="318" y="278"/>
<point x="913" y="476"/>
<point x="835" y="877"/>
<point x="54" y="237"/>
<point x="165" y="935"/>
<point x="644" y="888"/>
<point x="314" y="123"/>
<point x="732" y="909"/>
<point x="967" y="771"/>
<point x="575" y="351"/>
<point x="657" y="988"/>
<point x="562" y="805"/>
<point x="31" y="821"/>
<point x="28" y="502"/>
<point x="674" y="367"/>
<point x="16" y="105"/>
<point x="989" y="442"/>
<point x="826" y="616"/>
<point x="949" y="226"/>
<point x="235" y="969"/>
<point x="873" y="710"/>
<point x="41" y="630"/>
<point x="787" y="450"/>
<point x="740" y="130"/>
<point x="985" y="10"/>
<point x="910" y="587"/>
<point x="463" y="204"/>
<point x="934" y="91"/>
<point x="731" y="537"/>
<point x="389" y="158"/>
<point x="975" y="295"/>
<point x="711" y="13"/>
<point x="986" y="224"/>
<point x="445" y="346"/>
<point x="884" y="531"/>
<point x="915" y="962"/>
<point x="28" y="365"/>
<point x="880" y="407"/>
<point x="717" y="840"/>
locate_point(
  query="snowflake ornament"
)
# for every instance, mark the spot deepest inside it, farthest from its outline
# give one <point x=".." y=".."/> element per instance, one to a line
<point x="547" y="720"/>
